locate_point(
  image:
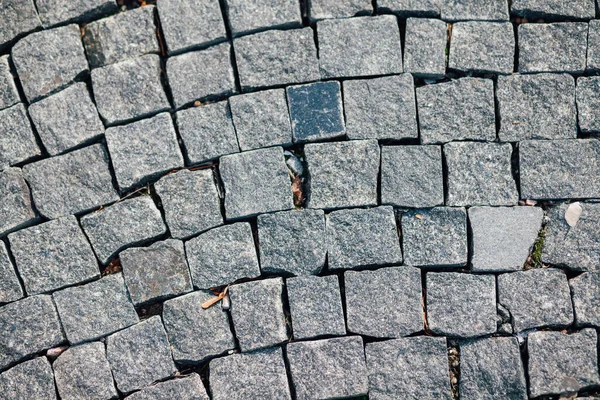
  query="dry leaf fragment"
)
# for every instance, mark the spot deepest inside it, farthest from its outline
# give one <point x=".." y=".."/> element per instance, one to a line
<point x="215" y="300"/>
<point x="573" y="214"/>
<point x="419" y="216"/>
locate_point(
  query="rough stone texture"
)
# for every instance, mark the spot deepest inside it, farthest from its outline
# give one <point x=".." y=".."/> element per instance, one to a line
<point x="593" y="49"/>
<point x="360" y="46"/>
<point x="8" y="90"/>
<point x="315" y="306"/>
<point x="480" y="174"/>
<point x="71" y="183"/>
<point x="412" y="176"/>
<point x="379" y="309"/>
<point x="207" y="132"/>
<point x="559" y="169"/>
<point x="54" y="12"/>
<point x="588" y="104"/>
<point x="316" y="111"/>
<point x="461" y="305"/>
<point x="486" y="10"/>
<point x="199" y="75"/>
<point x="502" y="237"/>
<point x="536" y="298"/>
<point x="462" y="109"/>
<point x="17" y="17"/>
<point x="484" y="47"/>
<point x="425" y="47"/>
<point x="259" y="375"/>
<point x="244" y="172"/>
<point x="66" y="119"/>
<point x="328" y="369"/>
<point x="188" y="387"/>
<point x="343" y="174"/>
<point x="84" y="312"/>
<point x="48" y="61"/>
<point x="540" y="106"/>
<point x="16" y="210"/>
<point x="562" y="363"/>
<point x="551" y="9"/>
<point x="326" y="9"/>
<point x="140" y="355"/>
<point x="17" y="143"/>
<point x="247" y="16"/>
<point x="276" y="57"/>
<point x="435" y="237"/>
<point x="83" y="372"/>
<point x="156" y="272"/>
<point x="10" y="288"/>
<point x="196" y="334"/>
<point x="129" y="90"/>
<point x="32" y="379"/>
<point x="53" y="255"/>
<point x="257" y="314"/>
<point x="187" y="24"/>
<point x="292" y="242"/>
<point x="381" y="108"/>
<point x="261" y="119"/>
<point x="362" y="237"/>
<point x="28" y="326"/>
<point x="408" y="368"/>
<point x="585" y="290"/>
<point x="143" y="150"/>
<point x="190" y="202"/>
<point x="492" y="369"/>
<point x="222" y="255"/>
<point x="411" y="8"/>
<point x="129" y="222"/>
<point x="557" y="47"/>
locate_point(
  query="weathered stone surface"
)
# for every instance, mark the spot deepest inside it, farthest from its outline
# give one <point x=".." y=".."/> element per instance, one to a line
<point x="484" y="47"/>
<point x="8" y="90"/>
<point x="461" y="305"/>
<point x="593" y="48"/>
<point x="408" y="368"/>
<point x="559" y="169"/>
<point x="28" y="326"/>
<point x="379" y="309"/>
<point x="540" y="106"/>
<point x="486" y="10"/>
<point x="585" y="290"/>
<point x="551" y="9"/>
<point x="292" y="242"/>
<point x="536" y="298"/>
<point x="261" y="119"/>
<point x="276" y="57"/>
<point x="316" y="111"/>
<point x="502" y="237"/>
<point x="143" y="150"/>
<point x="53" y="255"/>
<point x="17" y="18"/>
<point x="360" y="46"/>
<point x="425" y="47"/>
<point x="259" y="375"/>
<point x="435" y="238"/>
<point x="16" y="210"/>
<point x="10" y="288"/>
<point x="196" y="334"/>
<point x="247" y="16"/>
<point x="557" y="47"/>
<point x="492" y="368"/>
<point x="222" y="255"/>
<point x="480" y="174"/>
<point x="140" y="355"/>
<point x="83" y="372"/>
<point x="326" y="9"/>
<point x="560" y="363"/>
<point x="66" y="119"/>
<point x="32" y="379"/>
<point x="244" y="172"/>
<point x="129" y="90"/>
<point x="188" y="387"/>
<point x="328" y="369"/>
<point x="199" y="75"/>
<point x="588" y="104"/>
<point x="343" y="174"/>
<point x="462" y="109"/>
<point x="48" y="61"/>
<point x="257" y="314"/>
<point x="71" y="183"/>
<point x="53" y="12"/>
<point x="362" y="237"/>
<point x="411" y="8"/>
<point x="17" y="143"/>
<point x="381" y="108"/>
<point x="315" y="306"/>
<point x="190" y="201"/>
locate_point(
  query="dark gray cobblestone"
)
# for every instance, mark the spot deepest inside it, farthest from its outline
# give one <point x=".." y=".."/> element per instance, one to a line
<point x="31" y="379"/>
<point x="17" y="142"/>
<point x="189" y="387"/>
<point x="8" y="89"/>
<point x="16" y="208"/>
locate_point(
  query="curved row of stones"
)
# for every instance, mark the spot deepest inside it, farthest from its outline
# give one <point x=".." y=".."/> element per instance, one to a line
<point x="431" y="180"/>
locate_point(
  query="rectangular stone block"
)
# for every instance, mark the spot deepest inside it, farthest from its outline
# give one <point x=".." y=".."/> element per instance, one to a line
<point x="247" y="16"/>
<point x="425" y="47"/>
<point x="54" y="12"/>
<point x="588" y="104"/>
<point x="554" y="9"/>
<point x="32" y="379"/>
<point x="10" y="287"/>
<point x="485" y="10"/>
<point x="189" y="387"/>
<point x="411" y="8"/>
<point x="17" y="208"/>
<point x="586" y="298"/>
<point x="18" y="141"/>
<point x="593" y="46"/>
<point x="8" y="90"/>
<point x="17" y="18"/>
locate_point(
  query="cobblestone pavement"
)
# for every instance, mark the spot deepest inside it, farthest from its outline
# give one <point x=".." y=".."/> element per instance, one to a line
<point x="285" y="199"/>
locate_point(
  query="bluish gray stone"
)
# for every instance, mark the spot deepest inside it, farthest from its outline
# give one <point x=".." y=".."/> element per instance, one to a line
<point x="411" y="8"/>
<point x="486" y="10"/>
<point x="326" y="9"/>
<point x="188" y="387"/>
<point x="425" y="47"/>
<point x="17" y="143"/>
<point x="588" y="104"/>
<point x="246" y="16"/>
<point x="554" y="9"/>
<point x="10" y="288"/>
<point x="16" y="209"/>
<point x="17" y="18"/>
<point x="32" y="379"/>
<point x="8" y="90"/>
<point x="585" y="290"/>
<point x="53" y="12"/>
<point x="593" y="46"/>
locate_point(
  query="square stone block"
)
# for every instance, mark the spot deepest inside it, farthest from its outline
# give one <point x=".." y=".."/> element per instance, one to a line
<point x="554" y="9"/>
<point x="10" y="287"/>
<point x="17" y="18"/>
<point x="246" y="16"/>
<point x="32" y="379"/>
<point x="54" y="12"/>
<point x="425" y="47"/>
<point x="485" y="10"/>
<point x="588" y="104"/>
<point x="593" y="46"/>
<point x="16" y="211"/>
<point x="18" y="142"/>
<point x="585" y="290"/>
<point x="189" y="386"/>
<point x="9" y="94"/>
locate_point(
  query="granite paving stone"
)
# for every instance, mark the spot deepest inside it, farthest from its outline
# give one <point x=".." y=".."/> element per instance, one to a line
<point x="18" y="142"/>
<point x="9" y="94"/>
<point x="486" y="10"/>
<point x="327" y="9"/>
<point x="588" y="104"/>
<point x="32" y="379"/>
<point x="53" y="255"/>
<point x="222" y="255"/>
<point x="315" y="306"/>
<point x="362" y="237"/>
<point x="425" y="47"/>
<point x="362" y="46"/>
<point x="381" y="108"/>
<point x="123" y="224"/>
<point x="257" y="314"/>
<point x="328" y="369"/>
<point x="552" y="9"/>
<point x="585" y="291"/>
<point x="10" y="287"/>
<point x="408" y="368"/>
<point x="53" y="12"/>
<point x="536" y="298"/>
<point x="17" y="18"/>
<point x="593" y="49"/>
<point x="292" y="242"/>
<point x="246" y="16"/>
<point x="411" y="8"/>
<point x="188" y="387"/>
<point x="16" y="209"/>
